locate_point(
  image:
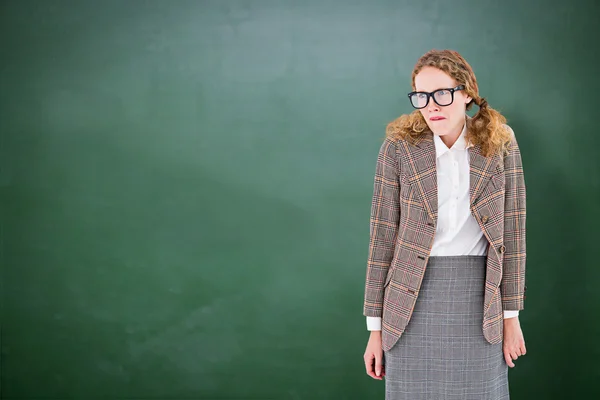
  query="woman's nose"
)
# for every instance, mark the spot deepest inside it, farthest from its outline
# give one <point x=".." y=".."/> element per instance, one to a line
<point x="432" y="106"/>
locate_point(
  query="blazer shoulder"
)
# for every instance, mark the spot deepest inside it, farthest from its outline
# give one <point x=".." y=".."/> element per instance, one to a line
<point x="391" y="142"/>
<point x="389" y="148"/>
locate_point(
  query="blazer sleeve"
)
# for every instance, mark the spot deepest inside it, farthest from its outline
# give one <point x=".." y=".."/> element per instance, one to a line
<point x="512" y="286"/>
<point x="384" y="219"/>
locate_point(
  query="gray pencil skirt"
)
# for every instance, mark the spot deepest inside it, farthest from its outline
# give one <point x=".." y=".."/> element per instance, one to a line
<point x="442" y="354"/>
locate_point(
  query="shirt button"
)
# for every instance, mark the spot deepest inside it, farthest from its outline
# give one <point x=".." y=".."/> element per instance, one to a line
<point x="484" y="219"/>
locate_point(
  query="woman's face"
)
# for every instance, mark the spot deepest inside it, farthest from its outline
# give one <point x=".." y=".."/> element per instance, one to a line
<point x="442" y="120"/>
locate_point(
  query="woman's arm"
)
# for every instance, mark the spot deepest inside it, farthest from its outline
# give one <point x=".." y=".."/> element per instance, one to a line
<point x="385" y="215"/>
<point x="512" y="286"/>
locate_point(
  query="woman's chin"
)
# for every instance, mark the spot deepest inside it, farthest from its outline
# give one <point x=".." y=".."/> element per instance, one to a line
<point x="437" y="128"/>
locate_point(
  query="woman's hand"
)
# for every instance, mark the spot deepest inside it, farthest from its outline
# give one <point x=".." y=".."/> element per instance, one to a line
<point x="374" y="356"/>
<point x="514" y="344"/>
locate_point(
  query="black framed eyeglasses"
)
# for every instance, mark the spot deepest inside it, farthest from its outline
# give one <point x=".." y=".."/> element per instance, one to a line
<point x="442" y="97"/>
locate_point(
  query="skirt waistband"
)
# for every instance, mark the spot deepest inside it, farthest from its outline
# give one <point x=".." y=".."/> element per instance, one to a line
<point x="456" y="268"/>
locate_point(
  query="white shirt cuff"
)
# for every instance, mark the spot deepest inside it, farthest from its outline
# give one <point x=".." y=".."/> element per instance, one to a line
<point x="374" y="323"/>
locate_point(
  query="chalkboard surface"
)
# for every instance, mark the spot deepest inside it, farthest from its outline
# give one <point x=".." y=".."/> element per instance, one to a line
<point x="185" y="189"/>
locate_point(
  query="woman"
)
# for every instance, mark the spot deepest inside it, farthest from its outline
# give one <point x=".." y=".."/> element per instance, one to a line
<point x="446" y="267"/>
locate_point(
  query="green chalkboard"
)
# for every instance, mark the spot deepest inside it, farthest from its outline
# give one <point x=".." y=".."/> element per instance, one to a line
<point x="185" y="189"/>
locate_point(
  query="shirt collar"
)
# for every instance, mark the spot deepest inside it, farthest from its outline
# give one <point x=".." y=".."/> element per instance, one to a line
<point x="460" y="144"/>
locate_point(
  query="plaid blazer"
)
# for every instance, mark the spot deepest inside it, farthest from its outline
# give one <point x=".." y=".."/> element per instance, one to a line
<point x="403" y="223"/>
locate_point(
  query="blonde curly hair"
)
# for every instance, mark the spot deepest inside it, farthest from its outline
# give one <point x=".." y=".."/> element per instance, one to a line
<point x="487" y="127"/>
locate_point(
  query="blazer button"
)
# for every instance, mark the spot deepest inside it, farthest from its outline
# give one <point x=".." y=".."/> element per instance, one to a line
<point x="501" y="249"/>
<point x="484" y="219"/>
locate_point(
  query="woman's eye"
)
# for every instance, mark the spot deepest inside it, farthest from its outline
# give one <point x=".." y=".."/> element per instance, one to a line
<point x="442" y="92"/>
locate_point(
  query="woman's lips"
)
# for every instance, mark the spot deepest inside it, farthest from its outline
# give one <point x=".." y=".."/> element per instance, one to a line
<point x="436" y="118"/>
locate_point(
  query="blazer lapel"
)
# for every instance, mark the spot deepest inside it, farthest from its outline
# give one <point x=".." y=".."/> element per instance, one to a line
<point x="422" y="174"/>
<point x="481" y="171"/>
